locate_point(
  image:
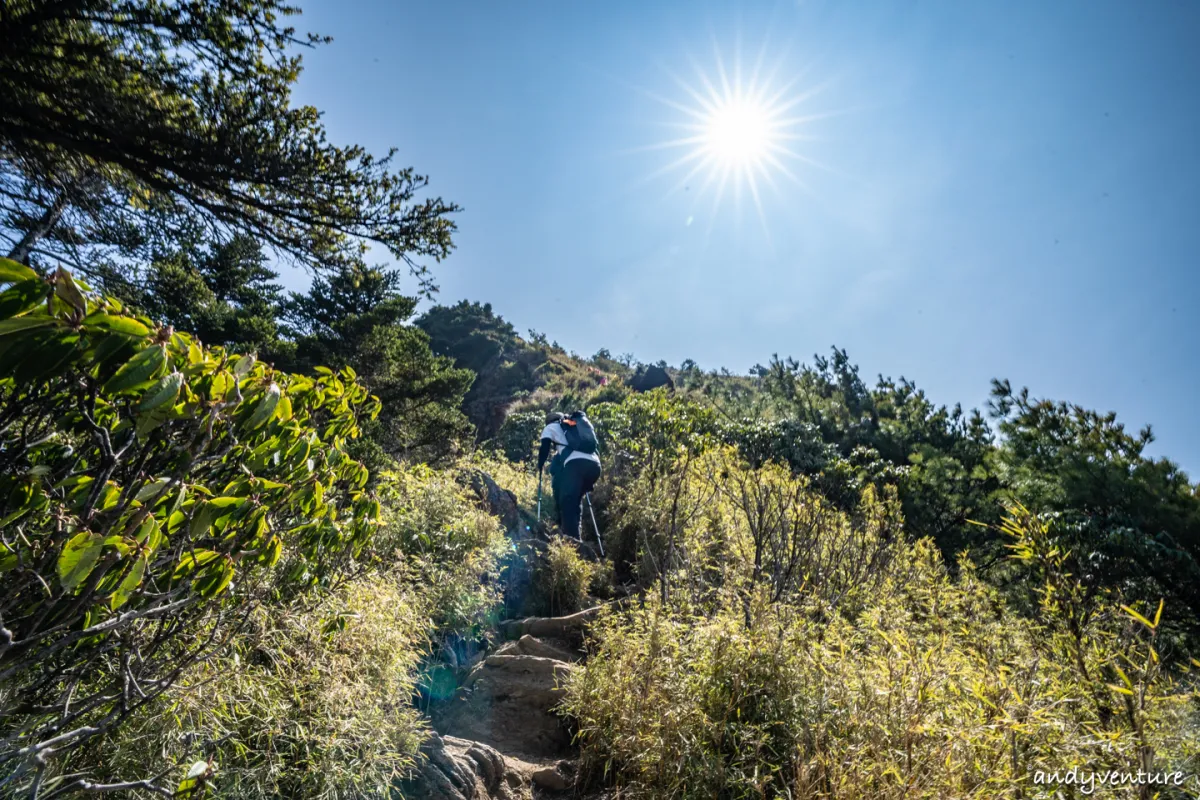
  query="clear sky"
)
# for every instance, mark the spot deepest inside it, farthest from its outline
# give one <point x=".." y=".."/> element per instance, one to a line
<point x="970" y="190"/>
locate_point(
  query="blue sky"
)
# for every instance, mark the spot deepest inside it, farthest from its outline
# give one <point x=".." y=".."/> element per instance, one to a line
<point x="983" y="189"/>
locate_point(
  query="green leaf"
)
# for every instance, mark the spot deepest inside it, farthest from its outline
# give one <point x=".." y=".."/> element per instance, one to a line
<point x="132" y="580"/>
<point x="1138" y="617"/>
<point x="151" y="490"/>
<point x="138" y="370"/>
<point x="18" y="324"/>
<point x="150" y="535"/>
<point x="193" y="561"/>
<point x="78" y="558"/>
<point x="216" y="578"/>
<point x="126" y="326"/>
<point x="22" y="297"/>
<point x="11" y="271"/>
<point x="202" y="519"/>
<point x="284" y="412"/>
<point x="65" y="288"/>
<point x="243" y="365"/>
<point x="162" y="393"/>
<point x="226" y="502"/>
<point x="51" y="353"/>
<point x="265" y="407"/>
<point x="272" y="551"/>
<point x="196" y="778"/>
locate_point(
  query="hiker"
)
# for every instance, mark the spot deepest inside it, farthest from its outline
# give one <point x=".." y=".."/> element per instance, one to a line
<point x="575" y="467"/>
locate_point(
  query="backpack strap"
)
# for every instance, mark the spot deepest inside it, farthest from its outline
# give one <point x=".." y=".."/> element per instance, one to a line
<point x="567" y="451"/>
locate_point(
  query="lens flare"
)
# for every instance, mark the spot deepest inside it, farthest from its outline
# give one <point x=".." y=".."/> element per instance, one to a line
<point x="739" y="129"/>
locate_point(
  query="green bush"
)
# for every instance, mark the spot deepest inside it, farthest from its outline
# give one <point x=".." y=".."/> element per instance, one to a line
<point x="562" y="579"/>
<point x="313" y="701"/>
<point x="445" y="543"/>
<point x="517" y="438"/>
<point x="151" y="492"/>
<point x="934" y="689"/>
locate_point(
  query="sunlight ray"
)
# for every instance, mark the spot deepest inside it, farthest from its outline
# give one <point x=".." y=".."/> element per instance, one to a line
<point x="739" y="127"/>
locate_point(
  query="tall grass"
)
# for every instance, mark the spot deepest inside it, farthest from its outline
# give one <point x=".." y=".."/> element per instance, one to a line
<point x="926" y="685"/>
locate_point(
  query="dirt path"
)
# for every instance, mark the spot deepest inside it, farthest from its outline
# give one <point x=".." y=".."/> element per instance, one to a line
<point x="497" y="738"/>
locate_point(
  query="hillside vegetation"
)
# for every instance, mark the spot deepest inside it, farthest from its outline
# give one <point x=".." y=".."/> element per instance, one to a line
<point x="258" y="543"/>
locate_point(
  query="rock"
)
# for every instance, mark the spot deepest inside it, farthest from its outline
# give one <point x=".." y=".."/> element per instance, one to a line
<point x="650" y="377"/>
<point x="500" y="502"/>
<point x="461" y="769"/>
<point x="507" y="702"/>
<point x="566" y="627"/>
<point x="552" y="778"/>
<point x="536" y="647"/>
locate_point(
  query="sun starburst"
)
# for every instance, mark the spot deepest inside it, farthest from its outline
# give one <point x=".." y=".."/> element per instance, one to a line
<point x="739" y="131"/>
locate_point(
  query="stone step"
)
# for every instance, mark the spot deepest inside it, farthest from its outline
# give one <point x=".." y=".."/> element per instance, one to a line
<point x="506" y="702"/>
<point x="530" y="646"/>
<point x="568" y="627"/>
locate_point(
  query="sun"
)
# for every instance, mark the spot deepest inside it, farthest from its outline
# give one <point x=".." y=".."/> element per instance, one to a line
<point x="738" y="132"/>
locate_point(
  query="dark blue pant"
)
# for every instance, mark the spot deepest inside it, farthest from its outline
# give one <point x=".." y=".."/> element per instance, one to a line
<point x="573" y="480"/>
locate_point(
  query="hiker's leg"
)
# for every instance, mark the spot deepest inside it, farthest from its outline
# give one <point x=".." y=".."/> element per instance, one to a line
<point x="591" y="476"/>
<point x="556" y="488"/>
<point x="574" y="479"/>
<point x="590" y="471"/>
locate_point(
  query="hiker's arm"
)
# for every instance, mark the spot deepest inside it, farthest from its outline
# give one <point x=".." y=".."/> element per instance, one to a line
<point x="544" y="452"/>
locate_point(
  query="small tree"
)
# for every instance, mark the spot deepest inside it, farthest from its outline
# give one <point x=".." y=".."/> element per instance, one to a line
<point x="151" y="492"/>
<point x="131" y="124"/>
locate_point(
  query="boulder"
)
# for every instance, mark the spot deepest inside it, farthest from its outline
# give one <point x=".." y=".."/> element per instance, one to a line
<point x="648" y="378"/>
<point x="461" y="769"/>
<point x="498" y="501"/>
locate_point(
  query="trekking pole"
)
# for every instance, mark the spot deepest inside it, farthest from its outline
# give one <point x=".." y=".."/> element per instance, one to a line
<point x="595" y="527"/>
<point x="539" y="507"/>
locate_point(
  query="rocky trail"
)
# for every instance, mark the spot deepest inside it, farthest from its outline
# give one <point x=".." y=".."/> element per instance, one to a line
<point x="498" y="738"/>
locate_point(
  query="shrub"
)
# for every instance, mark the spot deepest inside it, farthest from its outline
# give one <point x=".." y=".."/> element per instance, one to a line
<point x="151" y="492"/>
<point x="312" y="701"/>
<point x="562" y="579"/>
<point x="446" y="543"/>
<point x="935" y="689"/>
<point x="518" y="436"/>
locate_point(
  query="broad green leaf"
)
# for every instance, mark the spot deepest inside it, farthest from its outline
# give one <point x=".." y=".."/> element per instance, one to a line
<point x="265" y="407"/>
<point x="22" y="297"/>
<point x="78" y="558"/>
<point x="132" y="580"/>
<point x="65" y="288"/>
<point x="126" y="326"/>
<point x="162" y="393"/>
<point x="196" y="777"/>
<point x="242" y="366"/>
<point x="120" y="543"/>
<point x="216" y="578"/>
<point x="139" y="370"/>
<point x="19" y="324"/>
<point x="151" y="490"/>
<point x="283" y="411"/>
<point x="11" y="272"/>
<point x="193" y="561"/>
<point x="149" y="534"/>
<point x="226" y="502"/>
<point x="272" y="551"/>
<point x="202" y="519"/>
